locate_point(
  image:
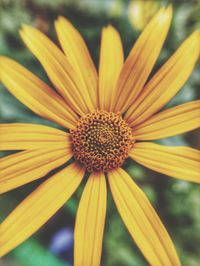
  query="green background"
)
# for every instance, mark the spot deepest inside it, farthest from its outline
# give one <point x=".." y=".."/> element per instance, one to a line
<point x="177" y="202"/>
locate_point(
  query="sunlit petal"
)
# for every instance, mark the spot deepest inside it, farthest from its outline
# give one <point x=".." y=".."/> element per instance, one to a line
<point x="141" y="220"/>
<point x="26" y="166"/>
<point x="79" y="57"/>
<point x="18" y="136"/>
<point x="173" y="121"/>
<point x="111" y="61"/>
<point x="166" y="82"/>
<point x="179" y="162"/>
<point x="90" y="222"/>
<point x="38" y="207"/>
<point x="35" y="94"/>
<point x="141" y="59"/>
<point x="59" y="70"/>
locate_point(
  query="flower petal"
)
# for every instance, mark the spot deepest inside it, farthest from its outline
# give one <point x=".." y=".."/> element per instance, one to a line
<point x="58" y="68"/>
<point x="79" y="57"/>
<point x="26" y="166"/>
<point x="18" y="136"/>
<point x="141" y="59"/>
<point x="141" y="220"/>
<point x="166" y="82"/>
<point x="179" y="162"/>
<point x="170" y="122"/>
<point x="38" y="207"/>
<point x="90" y="222"/>
<point x="35" y="94"/>
<point x="111" y="61"/>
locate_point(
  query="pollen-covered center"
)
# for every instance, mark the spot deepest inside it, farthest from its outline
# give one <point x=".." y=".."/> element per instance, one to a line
<point x="101" y="141"/>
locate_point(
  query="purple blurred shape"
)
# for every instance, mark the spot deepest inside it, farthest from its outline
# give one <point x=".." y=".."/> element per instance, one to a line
<point x="62" y="244"/>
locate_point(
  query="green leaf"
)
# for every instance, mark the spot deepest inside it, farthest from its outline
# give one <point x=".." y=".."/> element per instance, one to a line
<point x="32" y="254"/>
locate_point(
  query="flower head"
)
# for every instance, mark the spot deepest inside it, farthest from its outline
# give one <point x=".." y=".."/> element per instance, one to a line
<point x="109" y="118"/>
<point x="101" y="141"/>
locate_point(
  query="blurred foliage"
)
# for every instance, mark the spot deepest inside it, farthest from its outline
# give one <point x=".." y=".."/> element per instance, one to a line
<point x="177" y="202"/>
<point x="33" y="254"/>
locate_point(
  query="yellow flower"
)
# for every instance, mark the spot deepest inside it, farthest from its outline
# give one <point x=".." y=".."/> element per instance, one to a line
<point x="109" y="118"/>
<point x="141" y="11"/>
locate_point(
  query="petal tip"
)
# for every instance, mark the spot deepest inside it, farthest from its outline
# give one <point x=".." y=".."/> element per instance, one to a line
<point x="110" y="29"/>
<point x="165" y="14"/>
<point x="64" y="21"/>
<point x="59" y="19"/>
<point x="196" y="35"/>
<point x="195" y="41"/>
<point x="25" y="27"/>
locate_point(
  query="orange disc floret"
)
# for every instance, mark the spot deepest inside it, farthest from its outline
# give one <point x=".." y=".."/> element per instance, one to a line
<point x="101" y="141"/>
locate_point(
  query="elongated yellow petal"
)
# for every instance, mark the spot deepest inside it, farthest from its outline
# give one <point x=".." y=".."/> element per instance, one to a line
<point x="78" y="55"/>
<point x="35" y="94"/>
<point x="166" y="82"/>
<point x="90" y="222"/>
<point x="179" y="162"/>
<point x="170" y="122"/>
<point x="58" y="68"/>
<point x="142" y="221"/>
<point x="111" y="61"/>
<point x="17" y="136"/>
<point x="38" y="207"/>
<point x="23" y="167"/>
<point x="141" y="59"/>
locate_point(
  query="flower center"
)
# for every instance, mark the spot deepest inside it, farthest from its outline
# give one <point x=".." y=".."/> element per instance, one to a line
<point x="101" y="141"/>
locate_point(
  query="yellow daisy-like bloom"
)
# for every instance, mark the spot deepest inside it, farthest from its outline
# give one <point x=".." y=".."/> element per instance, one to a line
<point x="140" y="12"/>
<point x="109" y="119"/>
